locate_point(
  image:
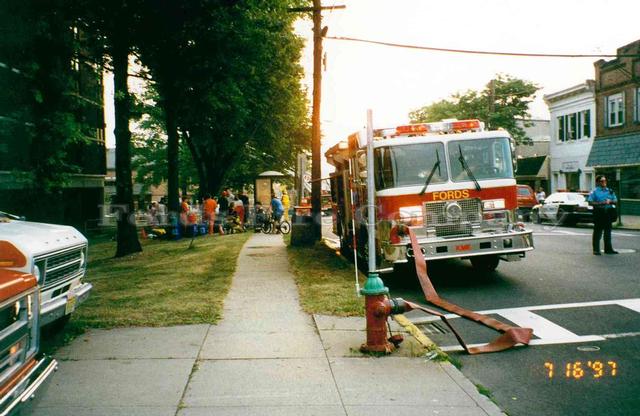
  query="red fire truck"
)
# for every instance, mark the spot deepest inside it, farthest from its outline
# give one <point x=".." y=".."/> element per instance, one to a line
<point x="451" y="182"/>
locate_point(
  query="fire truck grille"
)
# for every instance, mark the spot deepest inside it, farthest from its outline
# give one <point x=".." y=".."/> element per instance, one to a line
<point x="453" y="218"/>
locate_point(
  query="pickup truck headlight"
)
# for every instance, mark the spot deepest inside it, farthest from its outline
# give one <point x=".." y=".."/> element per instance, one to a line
<point x="36" y="272"/>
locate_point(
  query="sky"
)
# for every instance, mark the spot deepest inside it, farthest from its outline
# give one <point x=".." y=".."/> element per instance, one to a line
<point x="394" y="81"/>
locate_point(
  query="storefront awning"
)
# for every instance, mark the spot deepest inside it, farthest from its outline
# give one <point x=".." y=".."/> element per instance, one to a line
<point x="531" y="167"/>
<point x="623" y="150"/>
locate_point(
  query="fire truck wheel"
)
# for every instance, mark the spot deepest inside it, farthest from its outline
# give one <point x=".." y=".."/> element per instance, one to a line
<point x="363" y="256"/>
<point x="345" y="250"/>
<point x="485" y="264"/>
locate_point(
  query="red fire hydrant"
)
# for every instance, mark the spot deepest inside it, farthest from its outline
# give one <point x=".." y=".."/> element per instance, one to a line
<point x="378" y="309"/>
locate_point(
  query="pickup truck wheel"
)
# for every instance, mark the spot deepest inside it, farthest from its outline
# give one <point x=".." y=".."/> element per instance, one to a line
<point x="485" y="264"/>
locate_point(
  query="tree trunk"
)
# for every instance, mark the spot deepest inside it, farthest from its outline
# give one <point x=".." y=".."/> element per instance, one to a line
<point x="173" y="150"/>
<point x="127" y="236"/>
<point x="197" y="160"/>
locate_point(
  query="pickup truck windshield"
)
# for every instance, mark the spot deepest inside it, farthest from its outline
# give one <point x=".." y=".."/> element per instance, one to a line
<point x="409" y="165"/>
<point x="487" y="158"/>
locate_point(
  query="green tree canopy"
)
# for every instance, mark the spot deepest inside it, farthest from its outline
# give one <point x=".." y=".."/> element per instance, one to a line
<point x="229" y="82"/>
<point x="503" y="102"/>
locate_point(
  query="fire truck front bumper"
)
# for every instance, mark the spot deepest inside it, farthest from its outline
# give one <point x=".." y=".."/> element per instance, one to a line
<point x="510" y="246"/>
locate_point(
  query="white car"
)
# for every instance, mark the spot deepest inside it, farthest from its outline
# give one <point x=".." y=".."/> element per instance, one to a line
<point x="566" y="208"/>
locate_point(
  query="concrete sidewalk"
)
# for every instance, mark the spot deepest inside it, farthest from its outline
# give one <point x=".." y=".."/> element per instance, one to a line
<point x="266" y="357"/>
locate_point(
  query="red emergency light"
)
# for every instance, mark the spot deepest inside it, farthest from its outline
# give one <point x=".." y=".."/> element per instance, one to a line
<point x="465" y="125"/>
<point x="412" y="129"/>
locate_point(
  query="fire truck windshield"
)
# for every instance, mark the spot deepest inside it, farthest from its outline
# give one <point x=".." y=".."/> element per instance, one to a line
<point x="409" y="165"/>
<point x="485" y="158"/>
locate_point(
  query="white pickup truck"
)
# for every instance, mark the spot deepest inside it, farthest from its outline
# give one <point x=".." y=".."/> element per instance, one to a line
<point x="57" y="256"/>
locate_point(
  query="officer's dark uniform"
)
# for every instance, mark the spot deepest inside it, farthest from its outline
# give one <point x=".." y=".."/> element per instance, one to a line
<point x="601" y="221"/>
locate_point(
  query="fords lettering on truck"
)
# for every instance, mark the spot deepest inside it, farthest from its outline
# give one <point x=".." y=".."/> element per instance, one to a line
<point x="451" y="182"/>
<point x="444" y="195"/>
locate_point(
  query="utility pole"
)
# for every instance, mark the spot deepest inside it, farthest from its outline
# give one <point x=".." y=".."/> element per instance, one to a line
<point x="316" y="171"/>
<point x="492" y="103"/>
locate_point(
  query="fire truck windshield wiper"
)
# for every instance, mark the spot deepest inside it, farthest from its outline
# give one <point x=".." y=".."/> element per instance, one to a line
<point x="433" y="170"/>
<point x="463" y="163"/>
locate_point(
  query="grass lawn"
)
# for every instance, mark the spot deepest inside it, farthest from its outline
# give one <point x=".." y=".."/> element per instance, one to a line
<point x="166" y="284"/>
<point x="326" y="281"/>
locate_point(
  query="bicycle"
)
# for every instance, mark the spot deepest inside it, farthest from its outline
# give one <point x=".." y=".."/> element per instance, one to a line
<point x="280" y="226"/>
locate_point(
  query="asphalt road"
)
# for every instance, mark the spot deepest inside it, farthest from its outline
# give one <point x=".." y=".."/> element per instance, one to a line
<point x="585" y="310"/>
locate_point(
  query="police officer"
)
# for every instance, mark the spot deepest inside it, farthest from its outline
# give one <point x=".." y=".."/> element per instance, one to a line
<point x="602" y="199"/>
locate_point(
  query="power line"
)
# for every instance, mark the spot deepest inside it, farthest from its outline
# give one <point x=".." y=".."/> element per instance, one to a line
<point x="476" y="52"/>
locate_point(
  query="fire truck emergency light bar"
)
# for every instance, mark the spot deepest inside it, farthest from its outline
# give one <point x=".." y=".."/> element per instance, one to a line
<point x="440" y="127"/>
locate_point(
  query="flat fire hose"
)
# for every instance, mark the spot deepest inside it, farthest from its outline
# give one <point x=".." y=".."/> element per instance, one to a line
<point x="510" y="335"/>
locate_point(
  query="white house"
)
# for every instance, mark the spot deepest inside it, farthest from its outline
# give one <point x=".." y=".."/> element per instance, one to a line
<point x="573" y="127"/>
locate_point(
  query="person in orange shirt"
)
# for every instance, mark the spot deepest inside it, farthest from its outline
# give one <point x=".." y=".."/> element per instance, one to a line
<point x="238" y="207"/>
<point x="210" y="206"/>
<point x="184" y="213"/>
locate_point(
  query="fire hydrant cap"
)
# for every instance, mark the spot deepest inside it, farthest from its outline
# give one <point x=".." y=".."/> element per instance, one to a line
<point x="374" y="286"/>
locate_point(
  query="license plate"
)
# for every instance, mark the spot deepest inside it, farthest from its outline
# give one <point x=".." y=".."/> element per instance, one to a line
<point x="71" y="305"/>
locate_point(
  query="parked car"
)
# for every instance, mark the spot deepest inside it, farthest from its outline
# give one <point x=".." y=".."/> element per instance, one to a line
<point x="23" y="371"/>
<point x="526" y="201"/>
<point x="57" y="256"/>
<point x="566" y="208"/>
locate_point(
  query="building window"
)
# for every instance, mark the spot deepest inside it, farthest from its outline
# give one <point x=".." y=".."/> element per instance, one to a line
<point x="561" y="128"/>
<point x="636" y="105"/>
<point x="574" y="126"/>
<point x="615" y="110"/>
<point x="586" y="123"/>
<point x="630" y="183"/>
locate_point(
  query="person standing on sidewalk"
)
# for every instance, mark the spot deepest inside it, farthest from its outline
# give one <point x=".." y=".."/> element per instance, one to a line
<point x="602" y="199"/>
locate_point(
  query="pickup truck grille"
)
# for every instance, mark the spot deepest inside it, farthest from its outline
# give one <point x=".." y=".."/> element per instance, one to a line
<point x="468" y="217"/>
<point x="57" y="267"/>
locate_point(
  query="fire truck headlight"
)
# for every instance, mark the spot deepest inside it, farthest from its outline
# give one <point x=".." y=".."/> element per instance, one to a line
<point x="410" y="215"/>
<point x="492" y="204"/>
<point x="495" y="220"/>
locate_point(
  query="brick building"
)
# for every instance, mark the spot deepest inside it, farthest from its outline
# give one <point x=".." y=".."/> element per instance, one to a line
<point x="616" y="147"/>
<point x="81" y="194"/>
